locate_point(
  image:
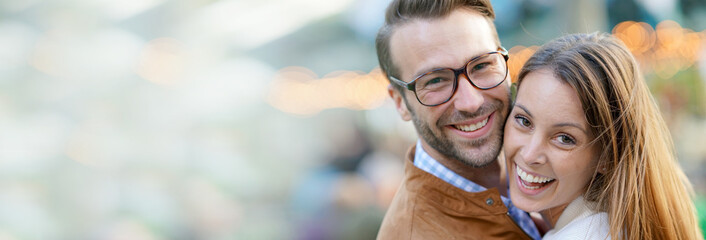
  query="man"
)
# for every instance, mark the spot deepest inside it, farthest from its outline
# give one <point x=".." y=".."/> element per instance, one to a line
<point x="452" y="187"/>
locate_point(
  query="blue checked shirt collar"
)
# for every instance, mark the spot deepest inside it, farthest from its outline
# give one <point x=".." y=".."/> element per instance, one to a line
<point x="423" y="161"/>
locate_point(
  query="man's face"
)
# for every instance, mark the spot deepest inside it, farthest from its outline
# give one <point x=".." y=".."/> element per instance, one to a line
<point x="469" y="126"/>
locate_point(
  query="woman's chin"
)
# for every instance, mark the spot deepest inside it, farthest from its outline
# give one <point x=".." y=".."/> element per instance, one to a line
<point x="523" y="203"/>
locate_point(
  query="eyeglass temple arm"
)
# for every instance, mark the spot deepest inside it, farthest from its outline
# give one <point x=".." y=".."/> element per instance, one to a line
<point x="401" y="83"/>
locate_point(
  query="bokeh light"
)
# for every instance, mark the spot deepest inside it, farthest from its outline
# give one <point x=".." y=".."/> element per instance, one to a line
<point x="245" y="119"/>
<point x="298" y="90"/>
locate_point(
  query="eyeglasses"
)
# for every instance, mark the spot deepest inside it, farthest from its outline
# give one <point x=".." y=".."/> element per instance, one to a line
<point x="438" y="86"/>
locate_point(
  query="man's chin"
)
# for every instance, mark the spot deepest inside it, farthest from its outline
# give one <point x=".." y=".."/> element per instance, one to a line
<point x="471" y="152"/>
<point x="477" y="162"/>
<point x="478" y="155"/>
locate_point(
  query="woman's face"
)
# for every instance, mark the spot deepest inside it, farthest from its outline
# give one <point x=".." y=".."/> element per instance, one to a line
<point x="550" y="161"/>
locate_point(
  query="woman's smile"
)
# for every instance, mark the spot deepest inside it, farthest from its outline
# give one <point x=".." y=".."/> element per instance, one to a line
<point x="531" y="184"/>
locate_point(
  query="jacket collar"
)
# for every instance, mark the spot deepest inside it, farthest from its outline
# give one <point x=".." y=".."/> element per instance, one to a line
<point x="437" y="191"/>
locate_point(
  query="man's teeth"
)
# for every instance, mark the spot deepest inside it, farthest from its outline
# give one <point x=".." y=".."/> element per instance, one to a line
<point x="531" y="178"/>
<point x="472" y="127"/>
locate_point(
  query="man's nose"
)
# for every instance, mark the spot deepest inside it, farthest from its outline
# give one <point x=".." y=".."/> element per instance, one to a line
<point x="467" y="97"/>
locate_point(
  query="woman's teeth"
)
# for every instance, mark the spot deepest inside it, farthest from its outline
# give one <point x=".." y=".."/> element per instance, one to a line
<point x="531" y="178"/>
<point x="472" y="127"/>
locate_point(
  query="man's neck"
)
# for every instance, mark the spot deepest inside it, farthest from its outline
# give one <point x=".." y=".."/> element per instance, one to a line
<point x="487" y="176"/>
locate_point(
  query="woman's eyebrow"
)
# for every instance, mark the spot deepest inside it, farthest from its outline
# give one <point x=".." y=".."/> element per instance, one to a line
<point x="524" y="109"/>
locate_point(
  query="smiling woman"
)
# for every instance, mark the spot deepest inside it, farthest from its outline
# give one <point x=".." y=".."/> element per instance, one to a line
<point x="587" y="147"/>
<point x="549" y="147"/>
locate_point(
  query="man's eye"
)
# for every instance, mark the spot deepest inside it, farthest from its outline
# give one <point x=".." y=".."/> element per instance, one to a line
<point x="480" y="66"/>
<point x="435" y="80"/>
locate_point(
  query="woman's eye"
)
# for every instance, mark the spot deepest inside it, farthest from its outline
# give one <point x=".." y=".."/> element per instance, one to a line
<point x="523" y="121"/>
<point x="565" y="139"/>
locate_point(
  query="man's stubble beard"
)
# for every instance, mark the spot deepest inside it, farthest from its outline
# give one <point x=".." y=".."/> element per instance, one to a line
<point x="446" y="147"/>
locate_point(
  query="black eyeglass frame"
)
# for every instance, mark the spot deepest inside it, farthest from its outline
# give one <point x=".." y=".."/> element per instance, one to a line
<point x="411" y="85"/>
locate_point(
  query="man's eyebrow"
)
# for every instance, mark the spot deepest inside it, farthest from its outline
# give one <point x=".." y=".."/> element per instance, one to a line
<point x="429" y="69"/>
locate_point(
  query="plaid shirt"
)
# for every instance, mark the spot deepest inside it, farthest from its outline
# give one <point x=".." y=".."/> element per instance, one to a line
<point x="423" y="161"/>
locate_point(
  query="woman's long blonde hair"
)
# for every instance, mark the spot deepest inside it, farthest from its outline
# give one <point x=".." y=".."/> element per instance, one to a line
<point x="638" y="180"/>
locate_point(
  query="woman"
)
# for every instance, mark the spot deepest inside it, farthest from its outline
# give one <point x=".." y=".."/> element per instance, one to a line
<point x="588" y="149"/>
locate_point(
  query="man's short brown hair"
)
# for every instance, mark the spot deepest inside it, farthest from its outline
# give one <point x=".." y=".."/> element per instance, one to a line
<point x="403" y="11"/>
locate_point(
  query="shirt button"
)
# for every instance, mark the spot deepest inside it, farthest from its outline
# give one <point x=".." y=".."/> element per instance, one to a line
<point x="489" y="201"/>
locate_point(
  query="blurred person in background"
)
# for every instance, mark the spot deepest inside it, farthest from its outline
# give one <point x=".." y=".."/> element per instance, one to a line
<point x="587" y="147"/>
<point x="449" y="76"/>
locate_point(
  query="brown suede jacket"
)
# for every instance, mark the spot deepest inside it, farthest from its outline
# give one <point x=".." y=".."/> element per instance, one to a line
<point x="426" y="207"/>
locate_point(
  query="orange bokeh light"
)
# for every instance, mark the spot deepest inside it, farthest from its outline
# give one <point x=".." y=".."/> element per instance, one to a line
<point x="662" y="51"/>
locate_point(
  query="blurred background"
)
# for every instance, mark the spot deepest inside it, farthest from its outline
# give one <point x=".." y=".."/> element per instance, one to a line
<point x="257" y="119"/>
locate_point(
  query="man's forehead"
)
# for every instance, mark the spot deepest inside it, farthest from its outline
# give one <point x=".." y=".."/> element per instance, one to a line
<point x="422" y="45"/>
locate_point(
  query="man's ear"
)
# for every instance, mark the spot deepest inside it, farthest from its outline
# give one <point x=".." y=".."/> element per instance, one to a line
<point x="400" y="103"/>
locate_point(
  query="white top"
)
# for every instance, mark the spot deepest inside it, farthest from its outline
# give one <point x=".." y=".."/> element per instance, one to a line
<point x="580" y="221"/>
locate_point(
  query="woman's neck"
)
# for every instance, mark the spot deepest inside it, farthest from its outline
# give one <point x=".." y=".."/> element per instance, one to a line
<point x="552" y="215"/>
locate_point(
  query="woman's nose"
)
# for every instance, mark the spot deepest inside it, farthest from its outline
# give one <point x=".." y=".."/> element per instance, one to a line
<point x="532" y="153"/>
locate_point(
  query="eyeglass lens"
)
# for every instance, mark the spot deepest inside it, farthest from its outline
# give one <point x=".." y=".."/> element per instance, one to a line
<point x="438" y="86"/>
